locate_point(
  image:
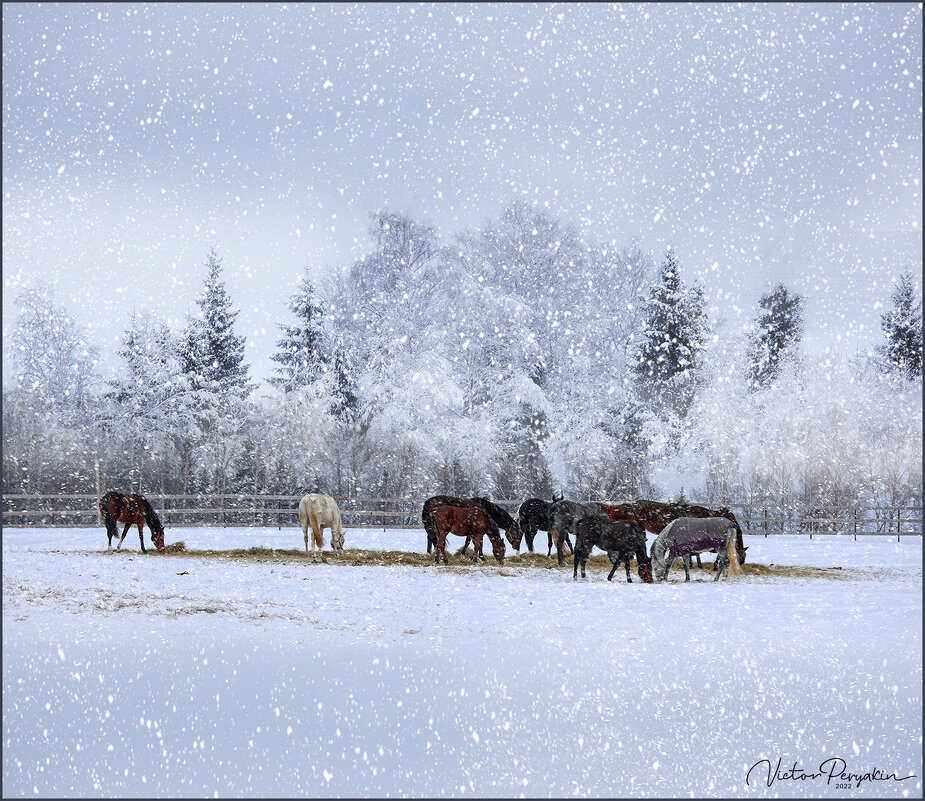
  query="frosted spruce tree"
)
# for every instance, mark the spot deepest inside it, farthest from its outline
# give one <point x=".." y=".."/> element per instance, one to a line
<point x="778" y="330"/>
<point x="212" y="357"/>
<point x="674" y="331"/>
<point x="902" y="325"/>
<point x="301" y="352"/>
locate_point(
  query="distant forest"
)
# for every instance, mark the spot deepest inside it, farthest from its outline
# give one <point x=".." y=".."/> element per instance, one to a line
<point x="520" y="360"/>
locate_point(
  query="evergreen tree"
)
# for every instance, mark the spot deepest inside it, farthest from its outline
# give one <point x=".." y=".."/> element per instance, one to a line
<point x="213" y="363"/>
<point x="212" y="354"/>
<point x="301" y="351"/>
<point x="674" y="330"/>
<point x="903" y="328"/>
<point x="779" y="328"/>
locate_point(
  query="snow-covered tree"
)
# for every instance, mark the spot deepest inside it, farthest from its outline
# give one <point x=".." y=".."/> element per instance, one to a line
<point x="778" y="330"/>
<point x="902" y="325"/>
<point x="674" y="332"/>
<point x="213" y="354"/>
<point x="301" y="352"/>
<point x="54" y="362"/>
<point x="148" y="407"/>
<point x="213" y="363"/>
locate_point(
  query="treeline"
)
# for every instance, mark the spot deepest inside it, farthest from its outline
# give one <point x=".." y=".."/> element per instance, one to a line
<point x="518" y="360"/>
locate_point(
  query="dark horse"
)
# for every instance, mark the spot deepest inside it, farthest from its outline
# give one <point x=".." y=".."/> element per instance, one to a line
<point x="654" y="516"/>
<point x="466" y="521"/>
<point x="133" y="510"/>
<point x="565" y="517"/>
<point x="534" y="515"/>
<point x="501" y="518"/>
<point x="622" y="539"/>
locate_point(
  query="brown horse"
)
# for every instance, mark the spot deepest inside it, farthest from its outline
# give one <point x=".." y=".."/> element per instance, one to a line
<point x="501" y="518"/>
<point x="466" y="521"/>
<point x="133" y="510"/>
<point x="654" y="516"/>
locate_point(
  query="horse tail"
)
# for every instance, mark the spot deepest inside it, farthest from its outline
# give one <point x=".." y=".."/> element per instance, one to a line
<point x="732" y="554"/>
<point x="111" y="527"/>
<point x="317" y="533"/>
<point x="428" y="521"/>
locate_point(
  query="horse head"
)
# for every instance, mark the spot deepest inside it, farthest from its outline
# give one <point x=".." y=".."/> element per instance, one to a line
<point x="497" y="549"/>
<point x="514" y="535"/>
<point x="157" y="537"/>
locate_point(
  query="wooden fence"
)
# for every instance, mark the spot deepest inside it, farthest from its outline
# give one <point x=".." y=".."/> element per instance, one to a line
<point x="282" y="510"/>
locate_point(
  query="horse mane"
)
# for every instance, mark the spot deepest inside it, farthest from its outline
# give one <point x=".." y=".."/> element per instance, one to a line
<point x="495" y="512"/>
<point x="151" y="518"/>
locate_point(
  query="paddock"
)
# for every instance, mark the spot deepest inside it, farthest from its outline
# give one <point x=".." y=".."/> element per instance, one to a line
<point x="235" y="666"/>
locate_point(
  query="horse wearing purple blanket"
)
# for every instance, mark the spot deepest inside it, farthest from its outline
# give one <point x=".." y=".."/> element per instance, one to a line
<point x="689" y="535"/>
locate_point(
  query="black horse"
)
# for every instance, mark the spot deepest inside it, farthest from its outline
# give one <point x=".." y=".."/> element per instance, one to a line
<point x="534" y="515"/>
<point x="622" y="539"/>
<point x="500" y="518"/>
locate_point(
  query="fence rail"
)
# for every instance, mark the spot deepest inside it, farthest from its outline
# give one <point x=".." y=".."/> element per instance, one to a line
<point x="79" y="510"/>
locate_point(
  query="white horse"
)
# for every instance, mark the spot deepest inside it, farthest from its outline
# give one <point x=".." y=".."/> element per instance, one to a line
<point x="320" y="511"/>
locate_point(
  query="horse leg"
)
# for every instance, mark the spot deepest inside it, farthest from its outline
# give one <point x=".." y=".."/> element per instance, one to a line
<point x="576" y="557"/>
<point x="615" y="561"/>
<point x="122" y="538"/>
<point x="529" y="538"/>
<point x="549" y="537"/>
<point x="465" y="545"/>
<point x="686" y="561"/>
<point x="141" y="537"/>
<point x="699" y="565"/>
<point x="626" y="564"/>
<point x="668" y="564"/>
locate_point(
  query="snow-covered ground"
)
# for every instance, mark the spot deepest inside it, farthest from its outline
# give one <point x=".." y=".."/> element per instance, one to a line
<point x="126" y="675"/>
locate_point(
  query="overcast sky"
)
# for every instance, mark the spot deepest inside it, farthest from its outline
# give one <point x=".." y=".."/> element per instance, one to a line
<point x="765" y="142"/>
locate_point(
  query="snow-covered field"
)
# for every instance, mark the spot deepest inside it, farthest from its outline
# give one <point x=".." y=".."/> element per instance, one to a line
<point x="126" y="675"/>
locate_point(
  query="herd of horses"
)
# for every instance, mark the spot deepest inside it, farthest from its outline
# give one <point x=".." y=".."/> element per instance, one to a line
<point x="682" y="530"/>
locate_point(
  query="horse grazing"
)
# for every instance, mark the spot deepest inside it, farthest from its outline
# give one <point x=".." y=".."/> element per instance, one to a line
<point x="622" y="539"/>
<point x="133" y="510"/>
<point x="565" y="517"/>
<point x="501" y="518"/>
<point x="320" y="511"/>
<point x="654" y="516"/>
<point x="534" y="515"/>
<point x="688" y="535"/>
<point x="471" y="522"/>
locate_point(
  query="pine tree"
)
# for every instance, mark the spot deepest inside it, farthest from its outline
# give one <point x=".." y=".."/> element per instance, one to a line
<point x="674" y="330"/>
<point x="779" y="329"/>
<point x="903" y="328"/>
<point x="301" y="351"/>
<point x="212" y="354"/>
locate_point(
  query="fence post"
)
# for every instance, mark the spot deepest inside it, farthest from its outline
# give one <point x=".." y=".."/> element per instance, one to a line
<point x="899" y="525"/>
<point x="765" y="522"/>
<point x="223" y="511"/>
<point x="855" y="524"/>
<point x="167" y="500"/>
<point x="52" y="511"/>
<point x="279" y="515"/>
